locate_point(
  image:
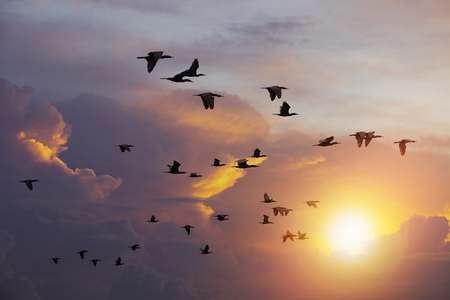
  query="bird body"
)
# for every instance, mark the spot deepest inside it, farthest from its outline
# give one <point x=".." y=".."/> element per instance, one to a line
<point x="124" y="147"/>
<point x="288" y="235"/>
<point x="221" y="217"/>
<point x="119" y="261"/>
<point x="267" y="199"/>
<point x="312" y="203"/>
<point x="194" y="175"/>
<point x="134" y="247"/>
<point x="206" y="250"/>
<point x="217" y="163"/>
<point x="284" y="110"/>
<point x="265" y="220"/>
<point x="274" y="91"/>
<point x="327" y="142"/>
<point x="173" y="169"/>
<point x="402" y="145"/>
<point x="153" y="219"/>
<point x="178" y="78"/>
<point x="152" y="58"/>
<point x="208" y="99"/>
<point x="188" y="229"/>
<point x="29" y="183"/>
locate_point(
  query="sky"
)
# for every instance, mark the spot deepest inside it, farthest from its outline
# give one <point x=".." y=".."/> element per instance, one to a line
<point x="71" y="90"/>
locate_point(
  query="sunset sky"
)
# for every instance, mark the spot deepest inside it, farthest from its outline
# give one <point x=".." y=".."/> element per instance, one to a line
<point x="71" y="89"/>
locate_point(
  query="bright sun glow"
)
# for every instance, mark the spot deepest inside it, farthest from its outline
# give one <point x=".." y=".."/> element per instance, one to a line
<point x="349" y="232"/>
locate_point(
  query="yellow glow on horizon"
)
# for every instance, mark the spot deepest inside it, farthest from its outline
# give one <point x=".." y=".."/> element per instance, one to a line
<point x="206" y="210"/>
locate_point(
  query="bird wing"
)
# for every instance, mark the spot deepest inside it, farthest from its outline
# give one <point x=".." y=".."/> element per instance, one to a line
<point x="291" y="237"/>
<point x="175" y="166"/>
<point x="329" y="139"/>
<point x="272" y="93"/>
<point x="188" y="229"/>
<point x="153" y="219"/>
<point x="29" y="185"/>
<point x="122" y="148"/>
<point x="206" y="249"/>
<point x="402" y="147"/>
<point x="277" y="91"/>
<point x="257" y="153"/>
<point x="284" y="108"/>
<point x="208" y="100"/>
<point x="275" y="211"/>
<point x="265" y="219"/>
<point x="314" y="204"/>
<point x="285" y="238"/>
<point x="266" y="197"/>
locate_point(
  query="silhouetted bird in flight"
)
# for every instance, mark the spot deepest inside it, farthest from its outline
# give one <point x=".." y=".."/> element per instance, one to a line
<point x="178" y="78"/>
<point x="369" y="136"/>
<point x="94" y="261"/>
<point x="152" y="58"/>
<point x="282" y="210"/>
<point x="221" y="217"/>
<point x="284" y="110"/>
<point x="82" y="252"/>
<point x="55" y="259"/>
<point x="208" y="99"/>
<point x="302" y="236"/>
<point x="312" y="203"/>
<point x="265" y="220"/>
<point x="173" y="169"/>
<point x="192" y="71"/>
<point x="194" y="175"/>
<point x="242" y="164"/>
<point x="360" y="136"/>
<point x="188" y="228"/>
<point x="134" y="247"/>
<point x="257" y="153"/>
<point x="153" y="219"/>
<point x="267" y="199"/>
<point x="119" y="261"/>
<point x="28" y="182"/>
<point x="205" y="251"/>
<point x="288" y="235"/>
<point x="327" y="142"/>
<point x="402" y="145"/>
<point x="274" y="91"/>
<point x="217" y="163"/>
<point x="124" y="147"/>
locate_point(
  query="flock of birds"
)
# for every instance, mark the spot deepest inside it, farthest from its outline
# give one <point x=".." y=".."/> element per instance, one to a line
<point x="208" y="102"/>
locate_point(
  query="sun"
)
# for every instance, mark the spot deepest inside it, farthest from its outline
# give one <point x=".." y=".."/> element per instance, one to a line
<point x="349" y="231"/>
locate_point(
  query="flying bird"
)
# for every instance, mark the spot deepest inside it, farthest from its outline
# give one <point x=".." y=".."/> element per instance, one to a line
<point x="302" y="236"/>
<point x="312" y="203"/>
<point x="327" y="142"/>
<point x="124" y="147"/>
<point x="178" y="78"/>
<point x="242" y="164"/>
<point x="55" y="259"/>
<point x="221" y="217"/>
<point x="360" y="136"/>
<point x="153" y="219"/>
<point x="188" y="228"/>
<point x="192" y="71"/>
<point x="282" y="210"/>
<point x="152" y="58"/>
<point x="257" y="153"/>
<point x="402" y="145"/>
<point x="284" y="110"/>
<point x="265" y="220"/>
<point x="82" y="252"/>
<point x="29" y="183"/>
<point x="205" y="251"/>
<point x="369" y="136"/>
<point x="274" y="91"/>
<point x="267" y="199"/>
<point x="217" y="163"/>
<point x="288" y="235"/>
<point x="173" y="169"/>
<point x="119" y="261"/>
<point x="134" y="247"/>
<point x="194" y="175"/>
<point x="94" y="261"/>
<point x="208" y="99"/>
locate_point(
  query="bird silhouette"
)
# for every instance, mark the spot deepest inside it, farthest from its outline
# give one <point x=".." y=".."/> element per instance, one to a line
<point x="192" y="71"/>
<point x="360" y="136"/>
<point x="284" y="110"/>
<point x="267" y="199"/>
<point x="288" y="235"/>
<point x="134" y="247"/>
<point x="206" y="250"/>
<point x="119" y="261"/>
<point x="327" y="142"/>
<point x="208" y="99"/>
<point x="280" y="209"/>
<point x="194" y="175"/>
<point x="152" y="58"/>
<point x="257" y="153"/>
<point x="173" y="169"/>
<point x="153" y="219"/>
<point x="29" y="183"/>
<point x="265" y="220"/>
<point x="94" y="261"/>
<point x="82" y="252"/>
<point x="402" y="145"/>
<point x="217" y="163"/>
<point x="242" y="164"/>
<point x="274" y="91"/>
<point x="55" y="259"/>
<point x="188" y="228"/>
<point x="124" y="147"/>
<point x="302" y="236"/>
<point x="221" y="217"/>
<point x="312" y="203"/>
<point x="369" y="136"/>
<point x="178" y="78"/>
